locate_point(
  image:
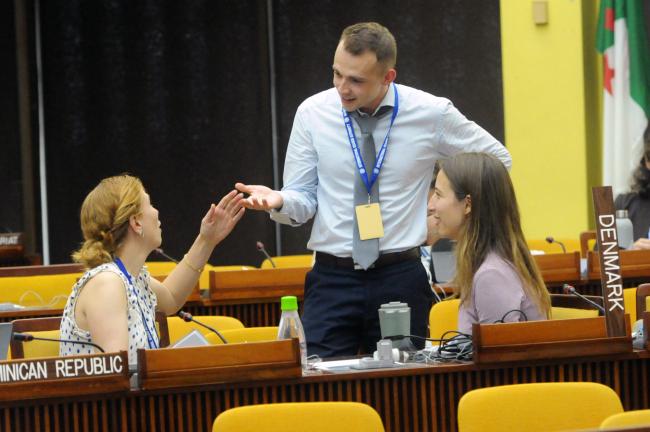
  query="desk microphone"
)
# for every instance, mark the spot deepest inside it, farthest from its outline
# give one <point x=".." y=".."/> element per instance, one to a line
<point x="260" y="247"/>
<point x="551" y="240"/>
<point x="187" y="317"/>
<point x="568" y="289"/>
<point x="159" y="251"/>
<point x="26" y="337"/>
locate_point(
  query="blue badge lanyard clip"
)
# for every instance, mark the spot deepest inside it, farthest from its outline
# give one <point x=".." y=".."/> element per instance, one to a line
<point x="150" y="339"/>
<point x="382" y="152"/>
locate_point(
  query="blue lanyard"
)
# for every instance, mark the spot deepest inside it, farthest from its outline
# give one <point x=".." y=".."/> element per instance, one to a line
<point x="355" y="146"/>
<point x="150" y="339"/>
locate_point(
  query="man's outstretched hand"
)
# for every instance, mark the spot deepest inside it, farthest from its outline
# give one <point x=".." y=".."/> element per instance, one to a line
<point x="260" y="197"/>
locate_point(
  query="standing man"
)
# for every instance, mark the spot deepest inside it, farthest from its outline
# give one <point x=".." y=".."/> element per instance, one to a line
<point x="360" y="159"/>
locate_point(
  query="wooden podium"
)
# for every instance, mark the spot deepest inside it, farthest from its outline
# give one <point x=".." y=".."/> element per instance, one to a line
<point x="634" y="264"/>
<point x="55" y="377"/>
<point x="184" y="367"/>
<point x="258" y="284"/>
<point x="557" y="269"/>
<point x="539" y="340"/>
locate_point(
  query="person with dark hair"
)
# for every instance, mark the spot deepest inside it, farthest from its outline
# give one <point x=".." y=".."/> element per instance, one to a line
<point x="637" y="201"/>
<point x="360" y="160"/>
<point x="113" y="304"/>
<point x="496" y="279"/>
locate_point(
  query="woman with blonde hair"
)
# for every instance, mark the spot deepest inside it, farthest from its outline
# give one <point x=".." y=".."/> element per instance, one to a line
<point x="496" y="277"/>
<point x="113" y="304"/>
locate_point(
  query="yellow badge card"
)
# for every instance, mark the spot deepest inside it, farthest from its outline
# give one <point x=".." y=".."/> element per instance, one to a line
<point x="369" y="221"/>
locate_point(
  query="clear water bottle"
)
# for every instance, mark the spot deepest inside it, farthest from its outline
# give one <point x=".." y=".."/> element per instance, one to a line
<point x="291" y="326"/>
<point x="624" y="230"/>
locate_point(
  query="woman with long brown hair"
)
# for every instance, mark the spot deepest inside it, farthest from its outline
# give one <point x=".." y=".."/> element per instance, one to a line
<point x="496" y="277"/>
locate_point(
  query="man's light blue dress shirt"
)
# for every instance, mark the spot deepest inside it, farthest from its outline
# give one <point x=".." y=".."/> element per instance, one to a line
<point x="319" y="169"/>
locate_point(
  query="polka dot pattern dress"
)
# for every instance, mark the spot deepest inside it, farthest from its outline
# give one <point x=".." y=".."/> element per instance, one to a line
<point x="140" y="298"/>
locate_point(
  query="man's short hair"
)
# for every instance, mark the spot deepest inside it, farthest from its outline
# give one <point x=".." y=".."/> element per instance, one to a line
<point x="373" y="37"/>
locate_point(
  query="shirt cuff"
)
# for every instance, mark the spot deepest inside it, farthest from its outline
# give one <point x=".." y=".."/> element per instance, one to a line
<point x="283" y="218"/>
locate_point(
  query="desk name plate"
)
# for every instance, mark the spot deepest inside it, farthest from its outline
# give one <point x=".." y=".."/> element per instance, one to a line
<point x="610" y="261"/>
<point x="15" y="371"/>
<point x="11" y="239"/>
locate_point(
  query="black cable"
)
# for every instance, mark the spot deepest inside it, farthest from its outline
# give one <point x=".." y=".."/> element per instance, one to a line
<point x="416" y="337"/>
<point x="502" y="320"/>
<point x="28" y="337"/>
<point x="442" y="339"/>
<point x="456" y="332"/>
<point x="456" y="347"/>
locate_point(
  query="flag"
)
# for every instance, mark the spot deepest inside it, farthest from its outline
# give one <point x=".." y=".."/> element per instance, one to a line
<point x="622" y="40"/>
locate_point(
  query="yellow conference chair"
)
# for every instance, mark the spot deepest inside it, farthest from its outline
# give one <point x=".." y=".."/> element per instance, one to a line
<point x="443" y="317"/>
<point x="49" y="291"/>
<point x="629" y="297"/>
<point x="537" y="407"/>
<point x="627" y="419"/>
<point x="561" y="313"/>
<point x="286" y="261"/>
<point x="243" y="335"/>
<point x="566" y="306"/>
<point x="44" y="327"/>
<point x="37" y="348"/>
<point x="299" y="417"/>
<point x="179" y="328"/>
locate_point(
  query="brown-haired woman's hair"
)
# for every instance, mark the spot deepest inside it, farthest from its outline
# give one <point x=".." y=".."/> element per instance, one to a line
<point x="105" y="217"/>
<point x="493" y="224"/>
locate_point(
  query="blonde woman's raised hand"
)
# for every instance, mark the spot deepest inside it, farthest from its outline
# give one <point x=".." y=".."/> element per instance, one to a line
<point x="221" y="218"/>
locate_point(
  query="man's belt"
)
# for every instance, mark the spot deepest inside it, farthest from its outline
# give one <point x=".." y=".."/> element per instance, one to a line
<point x="383" y="260"/>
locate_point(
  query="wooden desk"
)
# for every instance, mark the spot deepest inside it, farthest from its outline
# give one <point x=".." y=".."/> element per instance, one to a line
<point x="421" y="398"/>
<point x="6" y="316"/>
<point x="41" y="270"/>
<point x="635" y="265"/>
<point x="253" y="296"/>
<point x="635" y="270"/>
<point x="557" y="269"/>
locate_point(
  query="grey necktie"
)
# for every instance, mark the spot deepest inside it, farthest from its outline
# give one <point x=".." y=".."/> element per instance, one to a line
<point x="366" y="252"/>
